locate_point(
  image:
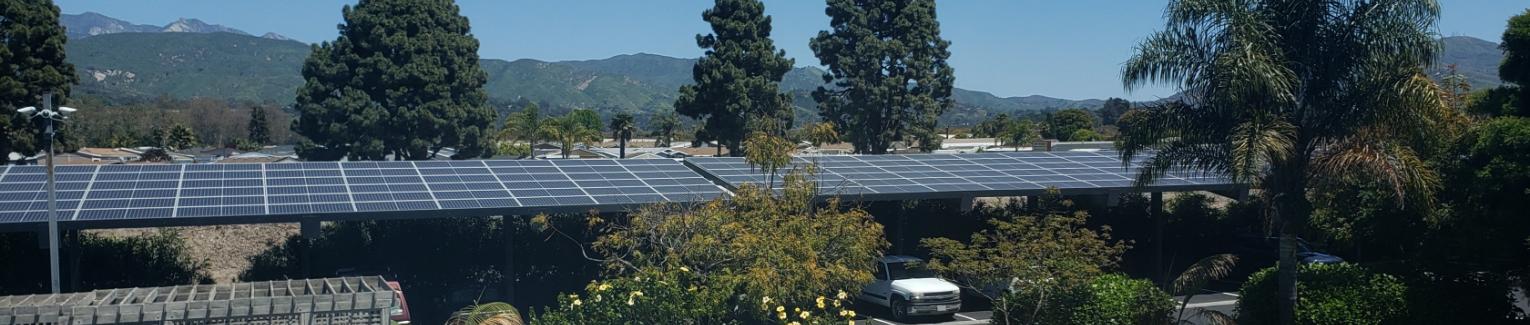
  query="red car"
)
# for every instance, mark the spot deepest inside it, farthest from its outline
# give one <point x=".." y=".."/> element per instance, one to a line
<point x="399" y="314"/>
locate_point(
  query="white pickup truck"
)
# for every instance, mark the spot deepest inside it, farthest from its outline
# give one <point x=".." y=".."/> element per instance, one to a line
<point x="908" y="289"/>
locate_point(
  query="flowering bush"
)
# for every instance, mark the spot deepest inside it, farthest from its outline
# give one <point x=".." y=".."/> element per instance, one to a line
<point x="680" y="296"/>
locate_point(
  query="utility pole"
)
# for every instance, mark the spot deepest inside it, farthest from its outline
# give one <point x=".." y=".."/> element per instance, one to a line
<point x="52" y="115"/>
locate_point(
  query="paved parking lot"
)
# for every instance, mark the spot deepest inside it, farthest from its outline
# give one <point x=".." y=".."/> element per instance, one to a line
<point x="875" y="315"/>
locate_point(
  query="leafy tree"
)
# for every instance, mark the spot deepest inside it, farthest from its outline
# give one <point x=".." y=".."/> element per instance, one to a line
<point x="787" y="248"/>
<point x="1283" y="93"/>
<point x="181" y="137"/>
<point x="739" y="77"/>
<point x="1026" y="256"/>
<point x="1021" y="133"/>
<point x="31" y="63"/>
<point x="993" y="127"/>
<point x="622" y="128"/>
<point x="568" y="131"/>
<point x="665" y="126"/>
<point x="887" y="63"/>
<point x="821" y="133"/>
<point x="1065" y="123"/>
<point x="588" y="119"/>
<point x="402" y="79"/>
<point x="769" y="154"/>
<point x="1113" y="109"/>
<point x="260" y="133"/>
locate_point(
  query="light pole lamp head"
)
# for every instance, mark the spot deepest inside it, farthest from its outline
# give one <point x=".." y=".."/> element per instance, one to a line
<point x="66" y="110"/>
<point x="27" y="110"/>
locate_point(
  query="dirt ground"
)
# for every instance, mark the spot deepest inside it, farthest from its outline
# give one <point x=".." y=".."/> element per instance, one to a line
<point x="226" y="249"/>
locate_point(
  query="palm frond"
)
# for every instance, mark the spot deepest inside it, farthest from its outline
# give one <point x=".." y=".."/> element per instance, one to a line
<point x="1373" y="155"/>
<point x="1208" y="269"/>
<point x="494" y="313"/>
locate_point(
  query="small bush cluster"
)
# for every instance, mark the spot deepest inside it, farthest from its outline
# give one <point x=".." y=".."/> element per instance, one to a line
<point x="1329" y="294"/>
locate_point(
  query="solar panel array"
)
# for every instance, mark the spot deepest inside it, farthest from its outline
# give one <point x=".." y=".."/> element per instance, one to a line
<point x="991" y="173"/>
<point x="159" y="192"/>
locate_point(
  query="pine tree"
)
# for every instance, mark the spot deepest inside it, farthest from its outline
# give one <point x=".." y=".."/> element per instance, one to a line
<point x="31" y="63"/>
<point x="260" y="133"/>
<point x="888" y="65"/>
<point x="739" y="77"/>
<point x="402" y="79"/>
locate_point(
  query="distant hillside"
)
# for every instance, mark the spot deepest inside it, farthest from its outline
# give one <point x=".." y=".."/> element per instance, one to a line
<point x="216" y="65"/>
<point x="224" y="65"/>
<point x="1475" y="58"/>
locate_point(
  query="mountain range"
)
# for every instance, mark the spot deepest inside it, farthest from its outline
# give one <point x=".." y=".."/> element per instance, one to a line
<point x="190" y="58"/>
<point x="89" y="24"/>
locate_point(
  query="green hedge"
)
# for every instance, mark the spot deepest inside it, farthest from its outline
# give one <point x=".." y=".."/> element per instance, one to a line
<point x="1327" y="294"/>
<point x="1108" y="299"/>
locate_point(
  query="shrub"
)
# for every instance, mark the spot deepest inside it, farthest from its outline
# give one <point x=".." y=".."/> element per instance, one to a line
<point x="681" y="296"/>
<point x="1117" y="299"/>
<point x="1328" y="294"/>
<point x="1107" y="299"/>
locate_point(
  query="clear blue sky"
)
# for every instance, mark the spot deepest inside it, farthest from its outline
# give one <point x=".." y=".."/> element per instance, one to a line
<point x="1068" y="49"/>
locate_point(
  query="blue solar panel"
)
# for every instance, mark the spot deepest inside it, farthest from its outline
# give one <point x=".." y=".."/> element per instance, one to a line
<point x="161" y="192"/>
<point x="958" y="174"/>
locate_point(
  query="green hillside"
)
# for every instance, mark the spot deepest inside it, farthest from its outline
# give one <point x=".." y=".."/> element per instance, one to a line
<point x="230" y="66"/>
<point x="215" y="65"/>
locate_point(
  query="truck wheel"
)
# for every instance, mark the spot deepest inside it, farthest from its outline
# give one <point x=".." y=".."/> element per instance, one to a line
<point x="899" y="309"/>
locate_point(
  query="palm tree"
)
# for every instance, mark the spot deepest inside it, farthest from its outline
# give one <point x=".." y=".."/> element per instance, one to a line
<point x="622" y="128"/>
<point x="1194" y="279"/>
<point x="664" y="127"/>
<point x="568" y="131"/>
<point x="1282" y="93"/>
<point x="494" y="313"/>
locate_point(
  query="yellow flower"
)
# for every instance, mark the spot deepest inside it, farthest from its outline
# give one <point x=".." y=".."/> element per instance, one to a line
<point x="780" y="309"/>
<point x="852" y="313"/>
<point x="820" y="302"/>
<point x="794" y="323"/>
<point x="685" y="269"/>
<point x="803" y="315"/>
<point x="603" y="287"/>
<point x="842" y="312"/>
<point x="764" y="300"/>
<point x="842" y="295"/>
<point x="836" y="303"/>
<point x="851" y="322"/>
<point x="629" y="301"/>
<point x="781" y="315"/>
<point x="637" y="293"/>
<point x="577" y="302"/>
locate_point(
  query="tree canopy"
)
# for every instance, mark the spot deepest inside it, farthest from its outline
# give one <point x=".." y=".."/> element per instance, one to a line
<point x="31" y="63"/>
<point x="738" y="79"/>
<point x="1064" y="124"/>
<point x="402" y="80"/>
<point x="887" y="63"/>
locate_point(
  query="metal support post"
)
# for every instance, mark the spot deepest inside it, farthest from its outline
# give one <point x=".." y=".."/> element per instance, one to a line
<point x="1155" y="211"/>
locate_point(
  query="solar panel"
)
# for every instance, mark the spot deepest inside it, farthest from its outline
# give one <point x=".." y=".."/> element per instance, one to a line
<point x="959" y="175"/>
<point x="136" y="193"/>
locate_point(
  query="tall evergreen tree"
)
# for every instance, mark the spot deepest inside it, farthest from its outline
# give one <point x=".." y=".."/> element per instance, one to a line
<point x="1113" y="109"/>
<point x="888" y="65"/>
<point x="260" y="132"/>
<point x="1515" y="68"/>
<point x="31" y="63"/>
<point x="402" y="79"/>
<point x="739" y="77"/>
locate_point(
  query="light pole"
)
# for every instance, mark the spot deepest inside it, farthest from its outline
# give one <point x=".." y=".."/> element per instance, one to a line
<point x="52" y="115"/>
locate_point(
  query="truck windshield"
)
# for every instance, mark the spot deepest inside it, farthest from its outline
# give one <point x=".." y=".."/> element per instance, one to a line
<point x="908" y="270"/>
